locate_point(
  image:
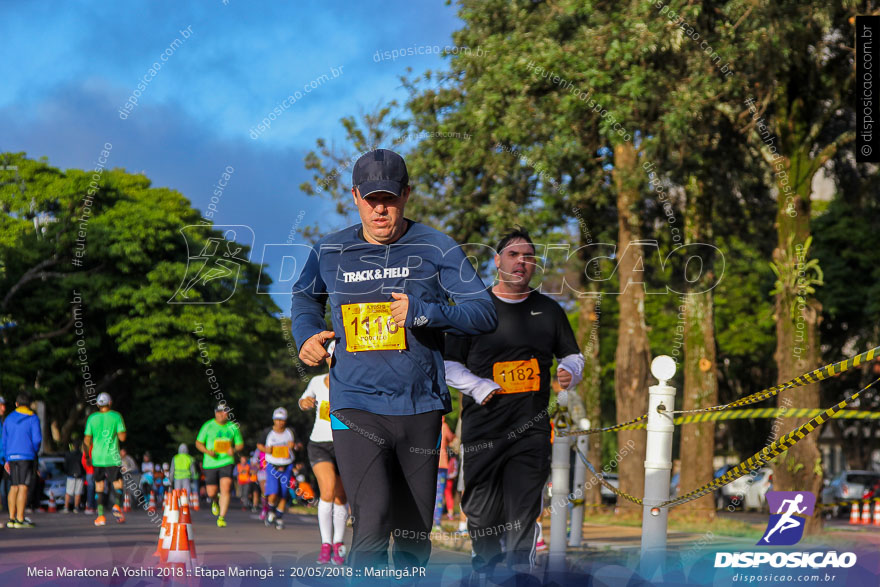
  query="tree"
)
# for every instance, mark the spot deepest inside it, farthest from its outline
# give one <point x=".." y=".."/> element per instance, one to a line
<point x="797" y="120"/>
<point x="87" y="295"/>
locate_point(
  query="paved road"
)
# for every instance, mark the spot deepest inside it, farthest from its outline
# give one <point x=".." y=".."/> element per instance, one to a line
<point x="71" y="540"/>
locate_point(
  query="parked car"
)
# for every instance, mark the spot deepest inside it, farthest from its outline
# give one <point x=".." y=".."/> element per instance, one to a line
<point x="608" y="496"/>
<point x="50" y="473"/>
<point x="846" y="486"/>
<point x="732" y="494"/>
<point x="674" y="485"/>
<point x="756" y="491"/>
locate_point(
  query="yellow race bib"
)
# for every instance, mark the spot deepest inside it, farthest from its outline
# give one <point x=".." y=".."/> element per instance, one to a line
<point x="517" y="376"/>
<point x="324" y="411"/>
<point x="369" y="327"/>
<point x="222" y="445"/>
<point x="281" y="452"/>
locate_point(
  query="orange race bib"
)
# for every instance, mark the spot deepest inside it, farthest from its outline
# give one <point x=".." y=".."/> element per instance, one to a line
<point x="324" y="411"/>
<point x="222" y="445"/>
<point x="369" y="327"/>
<point x="517" y="376"/>
<point x="281" y="452"/>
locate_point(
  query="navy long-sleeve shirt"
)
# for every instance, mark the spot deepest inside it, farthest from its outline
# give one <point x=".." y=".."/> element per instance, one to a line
<point x="426" y="265"/>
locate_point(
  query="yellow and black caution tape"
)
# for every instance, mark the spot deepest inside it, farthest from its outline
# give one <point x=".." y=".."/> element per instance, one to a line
<point x="767" y="453"/>
<point x="631" y="425"/>
<point x="602" y="480"/>
<point x="776" y="413"/>
<point x="805" y="379"/>
<point x="813" y="376"/>
<point x="748" y="414"/>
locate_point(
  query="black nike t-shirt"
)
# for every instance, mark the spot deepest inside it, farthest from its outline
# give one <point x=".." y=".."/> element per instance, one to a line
<point x="535" y="328"/>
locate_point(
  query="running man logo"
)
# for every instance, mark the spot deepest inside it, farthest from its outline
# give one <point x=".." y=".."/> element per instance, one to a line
<point x="786" y="526"/>
<point x="212" y="273"/>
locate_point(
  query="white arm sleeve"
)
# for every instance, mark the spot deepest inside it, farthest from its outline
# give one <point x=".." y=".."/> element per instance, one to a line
<point x="459" y="377"/>
<point x="574" y="364"/>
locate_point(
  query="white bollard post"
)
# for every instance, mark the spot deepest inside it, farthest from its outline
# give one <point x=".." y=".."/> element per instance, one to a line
<point x="576" y="536"/>
<point x="559" y="467"/>
<point x="658" y="463"/>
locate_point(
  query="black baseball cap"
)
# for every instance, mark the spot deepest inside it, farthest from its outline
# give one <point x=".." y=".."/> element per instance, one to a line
<point x="380" y="171"/>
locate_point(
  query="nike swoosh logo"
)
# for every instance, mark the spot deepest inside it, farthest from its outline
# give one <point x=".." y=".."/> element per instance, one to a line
<point x="536" y="313"/>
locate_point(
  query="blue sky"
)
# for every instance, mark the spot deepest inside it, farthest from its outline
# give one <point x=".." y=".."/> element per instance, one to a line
<point x="69" y="68"/>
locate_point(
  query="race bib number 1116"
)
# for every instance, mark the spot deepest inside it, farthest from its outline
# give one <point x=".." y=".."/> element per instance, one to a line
<point x="369" y="327"/>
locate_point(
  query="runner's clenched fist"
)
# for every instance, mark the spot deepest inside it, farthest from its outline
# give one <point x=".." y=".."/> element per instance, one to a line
<point x="399" y="308"/>
<point x="313" y="351"/>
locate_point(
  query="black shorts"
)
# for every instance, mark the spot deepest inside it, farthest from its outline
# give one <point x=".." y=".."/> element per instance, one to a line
<point x="21" y="472"/>
<point x="320" y="452"/>
<point x="111" y="474"/>
<point x="213" y="476"/>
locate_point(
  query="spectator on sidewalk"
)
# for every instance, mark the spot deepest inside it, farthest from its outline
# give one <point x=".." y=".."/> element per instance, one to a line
<point x="4" y="478"/>
<point x="89" y="468"/>
<point x="76" y="473"/>
<point x="148" y="470"/>
<point x="183" y="468"/>
<point x="21" y="439"/>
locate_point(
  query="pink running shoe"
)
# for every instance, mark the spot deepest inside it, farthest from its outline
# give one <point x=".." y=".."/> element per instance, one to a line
<point x="540" y="545"/>
<point x="338" y="559"/>
<point x="325" y="554"/>
<point x="264" y="513"/>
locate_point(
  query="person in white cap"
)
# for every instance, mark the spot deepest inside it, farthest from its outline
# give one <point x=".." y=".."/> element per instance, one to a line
<point x="104" y="430"/>
<point x="279" y="466"/>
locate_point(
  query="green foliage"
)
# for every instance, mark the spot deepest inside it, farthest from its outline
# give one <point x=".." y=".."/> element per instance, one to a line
<point x="120" y="254"/>
<point x="796" y="276"/>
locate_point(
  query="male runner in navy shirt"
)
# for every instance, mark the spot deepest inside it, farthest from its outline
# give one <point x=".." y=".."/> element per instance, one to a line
<point x="389" y="281"/>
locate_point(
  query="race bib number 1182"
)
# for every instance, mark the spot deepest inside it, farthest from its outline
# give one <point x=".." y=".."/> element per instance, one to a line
<point x="517" y="376"/>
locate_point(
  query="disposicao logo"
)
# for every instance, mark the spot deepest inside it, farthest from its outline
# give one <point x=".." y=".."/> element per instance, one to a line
<point x="785" y="528"/>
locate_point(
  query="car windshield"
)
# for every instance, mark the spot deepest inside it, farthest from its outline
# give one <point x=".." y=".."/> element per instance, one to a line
<point x="862" y="479"/>
<point x="52" y="469"/>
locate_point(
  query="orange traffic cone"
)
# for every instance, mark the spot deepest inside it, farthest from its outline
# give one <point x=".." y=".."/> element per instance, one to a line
<point x="194" y="501"/>
<point x="126" y="507"/>
<point x="52" y="507"/>
<point x="170" y="517"/>
<point x="866" y="514"/>
<point x="877" y="513"/>
<point x="152" y="507"/>
<point x="178" y="553"/>
<point x="173" y="520"/>
<point x="186" y="520"/>
<point x="854" y="514"/>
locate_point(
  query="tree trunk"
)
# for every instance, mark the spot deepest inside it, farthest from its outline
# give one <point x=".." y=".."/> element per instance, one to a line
<point x="797" y="340"/>
<point x="700" y="381"/>
<point x="633" y="354"/>
<point x="588" y="336"/>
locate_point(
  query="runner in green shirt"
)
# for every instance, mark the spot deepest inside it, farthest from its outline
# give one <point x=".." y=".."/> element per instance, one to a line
<point x="104" y="430"/>
<point x="219" y="440"/>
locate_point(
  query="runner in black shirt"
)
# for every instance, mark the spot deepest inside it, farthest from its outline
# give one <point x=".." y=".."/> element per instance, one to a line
<point x="505" y="377"/>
